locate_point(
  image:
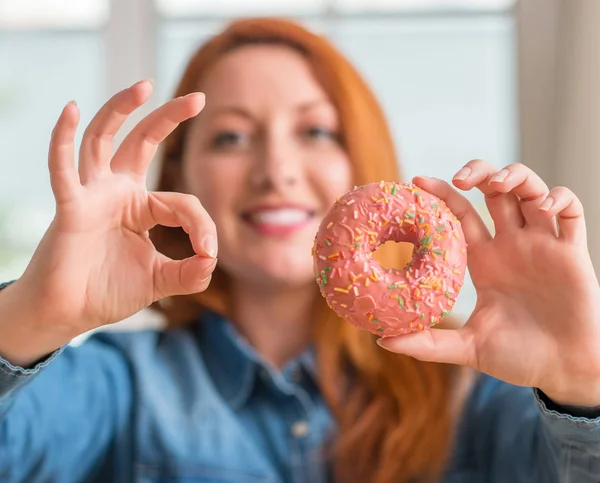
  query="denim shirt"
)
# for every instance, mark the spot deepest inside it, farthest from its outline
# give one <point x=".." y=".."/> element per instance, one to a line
<point x="198" y="405"/>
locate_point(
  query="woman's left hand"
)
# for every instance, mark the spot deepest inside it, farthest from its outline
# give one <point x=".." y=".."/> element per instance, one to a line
<point x="537" y="318"/>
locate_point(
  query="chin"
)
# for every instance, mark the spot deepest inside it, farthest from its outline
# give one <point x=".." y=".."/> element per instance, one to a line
<point x="283" y="281"/>
<point x="281" y="267"/>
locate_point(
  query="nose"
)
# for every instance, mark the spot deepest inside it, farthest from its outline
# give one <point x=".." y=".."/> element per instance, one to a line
<point x="277" y="165"/>
<point x="272" y="178"/>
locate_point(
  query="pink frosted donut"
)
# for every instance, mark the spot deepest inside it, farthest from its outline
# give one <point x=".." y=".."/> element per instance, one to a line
<point x="390" y="302"/>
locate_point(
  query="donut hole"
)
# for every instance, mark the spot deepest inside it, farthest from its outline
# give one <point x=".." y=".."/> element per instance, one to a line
<point x="394" y="254"/>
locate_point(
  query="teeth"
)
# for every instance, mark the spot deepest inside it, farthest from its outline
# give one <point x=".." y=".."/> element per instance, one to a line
<point x="285" y="216"/>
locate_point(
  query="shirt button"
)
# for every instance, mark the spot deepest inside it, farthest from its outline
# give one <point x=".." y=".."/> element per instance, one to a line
<point x="299" y="429"/>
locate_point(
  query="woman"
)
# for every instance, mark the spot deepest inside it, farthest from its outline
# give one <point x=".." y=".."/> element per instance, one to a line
<point x="262" y="382"/>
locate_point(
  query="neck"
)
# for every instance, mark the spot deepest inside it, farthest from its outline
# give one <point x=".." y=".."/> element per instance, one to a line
<point x="277" y="322"/>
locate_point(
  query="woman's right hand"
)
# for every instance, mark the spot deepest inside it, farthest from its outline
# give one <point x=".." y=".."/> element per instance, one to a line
<point x="96" y="264"/>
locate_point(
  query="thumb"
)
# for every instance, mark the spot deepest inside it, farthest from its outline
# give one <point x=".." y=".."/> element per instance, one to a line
<point x="435" y="345"/>
<point x="182" y="277"/>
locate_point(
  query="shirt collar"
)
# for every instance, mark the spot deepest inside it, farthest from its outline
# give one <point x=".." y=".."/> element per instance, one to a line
<point x="308" y="361"/>
<point x="233" y="363"/>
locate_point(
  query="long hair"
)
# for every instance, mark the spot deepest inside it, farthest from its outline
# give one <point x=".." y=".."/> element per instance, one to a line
<point x="394" y="414"/>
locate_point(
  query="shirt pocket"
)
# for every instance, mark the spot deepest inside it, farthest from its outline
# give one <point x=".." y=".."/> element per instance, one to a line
<point x="150" y="473"/>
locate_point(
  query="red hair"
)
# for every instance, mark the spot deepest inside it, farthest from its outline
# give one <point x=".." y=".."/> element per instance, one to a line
<point x="394" y="413"/>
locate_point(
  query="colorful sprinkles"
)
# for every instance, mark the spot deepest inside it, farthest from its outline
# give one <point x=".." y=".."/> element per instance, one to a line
<point x="390" y="301"/>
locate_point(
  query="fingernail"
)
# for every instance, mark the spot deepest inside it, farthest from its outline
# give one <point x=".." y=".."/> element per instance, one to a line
<point x="210" y="245"/>
<point x="462" y="174"/>
<point x="149" y="81"/>
<point x="380" y="343"/>
<point x="499" y="176"/>
<point x="195" y="94"/>
<point x="73" y="102"/>
<point x="213" y="265"/>
<point x="546" y="204"/>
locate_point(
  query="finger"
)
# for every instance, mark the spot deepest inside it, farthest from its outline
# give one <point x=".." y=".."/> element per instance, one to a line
<point x="181" y="277"/>
<point x="139" y="147"/>
<point x="436" y="345"/>
<point x="503" y="207"/>
<point x="178" y="209"/>
<point x="531" y="191"/>
<point x="61" y="155"/>
<point x="472" y="225"/>
<point x="97" y="143"/>
<point x="562" y="203"/>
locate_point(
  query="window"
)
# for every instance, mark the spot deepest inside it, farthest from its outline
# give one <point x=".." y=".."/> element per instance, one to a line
<point x="440" y="6"/>
<point x="228" y="8"/>
<point x="51" y="52"/>
<point x="442" y="69"/>
<point x="47" y="14"/>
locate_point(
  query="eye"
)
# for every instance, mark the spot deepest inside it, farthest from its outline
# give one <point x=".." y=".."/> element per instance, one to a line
<point x="317" y="132"/>
<point x="228" y="138"/>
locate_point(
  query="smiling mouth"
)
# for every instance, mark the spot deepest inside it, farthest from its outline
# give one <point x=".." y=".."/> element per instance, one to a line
<point x="278" y="221"/>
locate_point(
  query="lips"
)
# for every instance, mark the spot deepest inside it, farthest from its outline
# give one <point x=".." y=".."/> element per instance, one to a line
<point x="278" y="220"/>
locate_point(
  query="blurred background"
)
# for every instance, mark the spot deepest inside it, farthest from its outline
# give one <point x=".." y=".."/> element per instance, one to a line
<point x="503" y="80"/>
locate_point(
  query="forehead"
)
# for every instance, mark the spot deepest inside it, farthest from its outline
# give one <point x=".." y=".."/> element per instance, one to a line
<point x="257" y="74"/>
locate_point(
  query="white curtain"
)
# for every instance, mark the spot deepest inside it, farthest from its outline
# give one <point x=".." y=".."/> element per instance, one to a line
<point x="559" y="89"/>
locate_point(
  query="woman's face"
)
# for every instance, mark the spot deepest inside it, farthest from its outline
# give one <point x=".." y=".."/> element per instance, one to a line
<point x="264" y="159"/>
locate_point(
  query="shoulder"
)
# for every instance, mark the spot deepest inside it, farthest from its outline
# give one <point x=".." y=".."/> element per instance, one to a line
<point x="167" y="369"/>
<point x="144" y="345"/>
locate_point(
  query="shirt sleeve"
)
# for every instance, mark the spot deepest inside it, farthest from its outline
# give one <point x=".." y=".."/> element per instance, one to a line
<point x="518" y="435"/>
<point x="573" y="438"/>
<point x="68" y="417"/>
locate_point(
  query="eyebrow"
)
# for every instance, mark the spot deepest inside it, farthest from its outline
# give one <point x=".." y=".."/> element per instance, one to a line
<point x="309" y="105"/>
<point x="240" y="111"/>
<point x="233" y="110"/>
